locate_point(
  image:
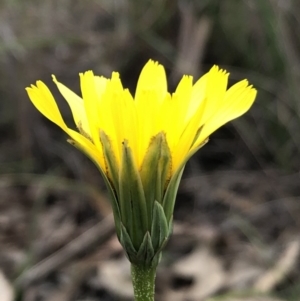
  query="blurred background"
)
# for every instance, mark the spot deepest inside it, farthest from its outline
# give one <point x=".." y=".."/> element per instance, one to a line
<point x="237" y="217"/>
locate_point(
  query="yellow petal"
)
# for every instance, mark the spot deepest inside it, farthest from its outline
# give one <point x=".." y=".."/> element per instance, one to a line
<point x="238" y="100"/>
<point x="116" y="116"/>
<point x="187" y="138"/>
<point x="152" y="77"/>
<point x="76" y="104"/>
<point x="147" y="108"/>
<point x="95" y="154"/>
<point x="150" y="94"/>
<point x="163" y="117"/>
<point x="216" y="84"/>
<point x="44" y="101"/>
<point x="130" y="122"/>
<point x="89" y="95"/>
<point x="100" y="86"/>
<point x="179" y="110"/>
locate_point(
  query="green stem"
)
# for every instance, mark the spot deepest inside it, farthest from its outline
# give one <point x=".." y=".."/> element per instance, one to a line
<point x="143" y="280"/>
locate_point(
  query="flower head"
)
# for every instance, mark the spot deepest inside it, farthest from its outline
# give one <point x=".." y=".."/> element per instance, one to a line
<point x="141" y="143"/>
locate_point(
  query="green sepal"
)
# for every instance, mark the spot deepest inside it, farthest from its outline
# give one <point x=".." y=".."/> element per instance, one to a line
<point x="171" y="192"/>
<point x="110" y="159"/>
<point x="170" y="226"/>
<point x="146" y="255"/>
<point x="157" y="255"/>
<point x="132" y="198"/>
<point x="146" y="252"/>
<point x="127" y="243"/>
<point x="164" y="170"/>
<point x="154" y="171"/>
<point x="110" y="189"/>
<point x="159" y="228"/>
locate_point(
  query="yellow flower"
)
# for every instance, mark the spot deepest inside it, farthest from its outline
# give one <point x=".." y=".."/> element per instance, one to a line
<point x="141" y="143"/>
<point x="105" y="105"/>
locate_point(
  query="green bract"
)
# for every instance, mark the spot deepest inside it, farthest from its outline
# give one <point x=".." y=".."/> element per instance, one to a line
<point x="143" y="199"/>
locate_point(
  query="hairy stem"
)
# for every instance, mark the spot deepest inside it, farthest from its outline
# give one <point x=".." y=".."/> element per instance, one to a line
<point x="143" y="280"/>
